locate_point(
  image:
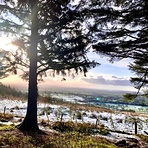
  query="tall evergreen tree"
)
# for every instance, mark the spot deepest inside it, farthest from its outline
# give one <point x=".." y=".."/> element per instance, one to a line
<point x="10" y="9"/>
<point x="52" y="34"/>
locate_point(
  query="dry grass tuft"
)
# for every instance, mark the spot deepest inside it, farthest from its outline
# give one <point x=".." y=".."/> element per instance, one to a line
<point x="6" y="116"/>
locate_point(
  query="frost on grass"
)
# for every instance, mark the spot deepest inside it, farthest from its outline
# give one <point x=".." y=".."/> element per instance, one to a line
<point x="114" y="121"/>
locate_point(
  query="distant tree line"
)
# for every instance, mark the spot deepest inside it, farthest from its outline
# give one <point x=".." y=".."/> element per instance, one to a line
<point x="6" y="91"/>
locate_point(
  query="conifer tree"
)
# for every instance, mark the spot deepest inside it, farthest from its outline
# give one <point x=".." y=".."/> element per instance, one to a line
<point x="51" y="35"/>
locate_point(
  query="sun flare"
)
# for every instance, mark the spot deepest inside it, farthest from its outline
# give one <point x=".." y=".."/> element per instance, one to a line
<point x="5" y="44"/>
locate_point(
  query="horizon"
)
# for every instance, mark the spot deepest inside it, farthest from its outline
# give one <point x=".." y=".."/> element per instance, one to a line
<point x="108" y="76"/>
<point x="18" y="83"/>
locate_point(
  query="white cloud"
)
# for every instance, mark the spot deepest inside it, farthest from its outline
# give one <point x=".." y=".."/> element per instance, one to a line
<point x="108" y="80"/>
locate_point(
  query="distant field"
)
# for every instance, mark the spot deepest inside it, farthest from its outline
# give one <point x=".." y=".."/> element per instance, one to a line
<point x="92" y="95"/>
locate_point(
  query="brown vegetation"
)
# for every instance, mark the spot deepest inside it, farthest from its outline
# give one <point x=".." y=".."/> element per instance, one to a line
<point x="15" y="138"/>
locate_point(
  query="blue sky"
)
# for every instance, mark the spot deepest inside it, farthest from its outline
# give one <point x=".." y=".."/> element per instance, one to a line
<point x="114" y="76"/>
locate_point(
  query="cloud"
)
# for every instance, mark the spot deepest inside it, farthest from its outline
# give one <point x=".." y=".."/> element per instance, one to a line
<point x="114" y="80"/>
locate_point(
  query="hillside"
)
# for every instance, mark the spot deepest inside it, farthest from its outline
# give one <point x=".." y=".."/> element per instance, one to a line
<point x="7" y="91"/>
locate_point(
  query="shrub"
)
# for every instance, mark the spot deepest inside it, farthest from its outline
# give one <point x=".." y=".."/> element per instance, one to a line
<point x="83" y="128"/>
<point x="63" y="126"/>
<point x="143" y="137"/>
<point x="103" y="130"/>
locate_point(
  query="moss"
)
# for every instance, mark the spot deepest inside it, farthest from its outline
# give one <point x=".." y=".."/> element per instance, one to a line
<point x="75" y="140"/>
<point x="83" y="128"/>
<point x="4" y="127"/>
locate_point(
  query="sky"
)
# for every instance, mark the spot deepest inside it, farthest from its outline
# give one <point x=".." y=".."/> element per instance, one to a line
<point x="107" y="76"/>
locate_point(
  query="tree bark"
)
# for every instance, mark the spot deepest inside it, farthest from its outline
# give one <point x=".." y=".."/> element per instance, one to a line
<point x="30" y="123"/>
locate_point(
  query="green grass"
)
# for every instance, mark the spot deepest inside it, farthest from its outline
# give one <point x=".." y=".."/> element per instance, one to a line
<point x="75" y="140"/>
<point x="14" y="138"/>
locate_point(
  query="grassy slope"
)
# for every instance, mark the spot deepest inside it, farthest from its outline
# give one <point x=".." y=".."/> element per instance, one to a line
<point x="11" y="137"/>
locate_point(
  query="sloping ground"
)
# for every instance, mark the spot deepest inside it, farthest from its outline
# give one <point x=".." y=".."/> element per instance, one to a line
<point x="17" y="139"/>
<point x="131" y="141"/>
<point x="113" y="121"/>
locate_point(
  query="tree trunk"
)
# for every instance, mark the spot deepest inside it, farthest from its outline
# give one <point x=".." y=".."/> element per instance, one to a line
<point x="30" y="123"/>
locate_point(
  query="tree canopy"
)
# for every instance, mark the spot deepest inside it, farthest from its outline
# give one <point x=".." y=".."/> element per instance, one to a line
<point x="127" y="37"/>
<point x="61" y="44"/>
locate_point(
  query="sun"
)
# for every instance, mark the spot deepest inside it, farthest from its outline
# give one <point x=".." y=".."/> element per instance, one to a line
<point x="5" y="44"/>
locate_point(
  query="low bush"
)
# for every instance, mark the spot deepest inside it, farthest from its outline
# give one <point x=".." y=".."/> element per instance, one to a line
<point x="143" y="137"/>
<point x="79" y="115"/>
<point x="83" y="128"/>
<point x="102" y="130"/>
<point x="63" y="126"/>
